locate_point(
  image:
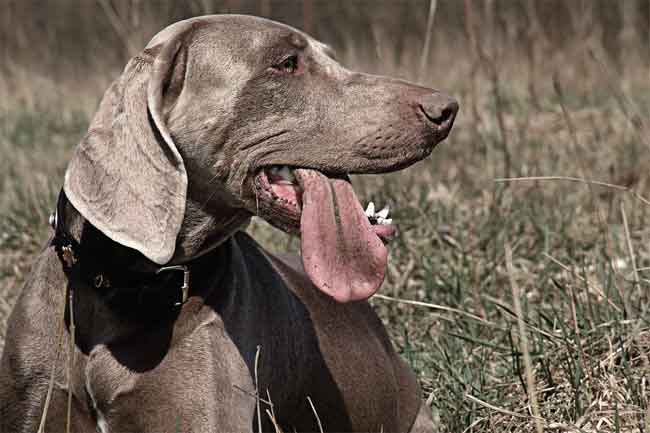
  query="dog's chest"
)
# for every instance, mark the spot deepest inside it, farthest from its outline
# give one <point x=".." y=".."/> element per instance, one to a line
<point x="342" y="360"/>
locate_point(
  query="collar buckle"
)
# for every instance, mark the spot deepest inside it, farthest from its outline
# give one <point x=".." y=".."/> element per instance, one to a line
<point x="185" y="288"/>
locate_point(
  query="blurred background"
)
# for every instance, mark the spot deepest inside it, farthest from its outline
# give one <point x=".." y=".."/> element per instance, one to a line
<point x="549" y="158"/>
<point x="61" y="47"/>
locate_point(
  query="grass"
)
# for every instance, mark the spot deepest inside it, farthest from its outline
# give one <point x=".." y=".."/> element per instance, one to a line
<point x="522" y="304"/>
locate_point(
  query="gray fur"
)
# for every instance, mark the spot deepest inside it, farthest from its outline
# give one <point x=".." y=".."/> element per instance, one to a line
<point x="167" y="169"/>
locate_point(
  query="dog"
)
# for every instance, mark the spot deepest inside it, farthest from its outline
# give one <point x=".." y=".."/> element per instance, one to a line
<point x="150" y="310"/>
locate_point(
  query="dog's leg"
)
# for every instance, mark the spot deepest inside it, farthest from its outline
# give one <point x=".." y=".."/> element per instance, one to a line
<point x="21" y="410"/>
<point x="33" y="353"/>
<point x="195" y="382"/>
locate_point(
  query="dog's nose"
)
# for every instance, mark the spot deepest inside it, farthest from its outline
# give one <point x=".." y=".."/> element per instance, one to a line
<point x="440" y="110"/>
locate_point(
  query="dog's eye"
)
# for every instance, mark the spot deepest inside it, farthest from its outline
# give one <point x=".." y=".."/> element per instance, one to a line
<point x="288" y="65"/>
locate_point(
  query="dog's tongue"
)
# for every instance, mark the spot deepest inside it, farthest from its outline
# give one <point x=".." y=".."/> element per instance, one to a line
<point x="340" y="251"/>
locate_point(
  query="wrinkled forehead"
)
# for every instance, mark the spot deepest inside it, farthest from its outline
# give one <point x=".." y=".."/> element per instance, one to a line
<point x="241" y="33"/>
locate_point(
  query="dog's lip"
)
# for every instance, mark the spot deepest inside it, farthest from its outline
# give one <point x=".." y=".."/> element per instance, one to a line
<point x="265" y="180"/>
<point x="287" y="211"/>
<point x="382" y="164"/>
<point x="332" y="173"/>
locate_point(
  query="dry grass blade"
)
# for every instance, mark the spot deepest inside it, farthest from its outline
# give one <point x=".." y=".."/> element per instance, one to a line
<point x="118" y="26"/>
<point x="267" y="402"/>
<point x="495" y="408"/>
<point x="311" y="404"/>
<point x="424" y="58"/>
<point x="630" y="248"/>
<point x="589" y="283"/>
<point x="579" y="151"/>
<point x="523" y="341"/>
<point x="50" y="387"/>
<point x="71" y="358"/>
<point x="628" y="108"/>
<point x="645" y="357"/>
<point x="257" y="391"/>
<point x="435" y="307"/>
<point x="576" y="179"/>
<point x="276" y="427"/>
<point x="474" y="424"/>
<point x="511" y="312"/>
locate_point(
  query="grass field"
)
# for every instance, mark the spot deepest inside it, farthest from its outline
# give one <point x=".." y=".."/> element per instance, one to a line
<point x="518" y="286"/>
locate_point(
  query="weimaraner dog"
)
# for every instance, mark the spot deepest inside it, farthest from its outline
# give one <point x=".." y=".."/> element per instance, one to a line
<point x="182" y="322"/>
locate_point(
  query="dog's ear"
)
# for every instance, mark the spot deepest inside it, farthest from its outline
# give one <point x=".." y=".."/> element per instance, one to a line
<point x="126" y="176"/>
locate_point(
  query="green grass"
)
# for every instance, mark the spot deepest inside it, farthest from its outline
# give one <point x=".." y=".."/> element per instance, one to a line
<point x="586" y="316"/>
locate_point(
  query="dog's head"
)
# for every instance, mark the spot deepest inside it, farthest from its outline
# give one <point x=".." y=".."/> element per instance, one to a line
<point x="262" y="117"/>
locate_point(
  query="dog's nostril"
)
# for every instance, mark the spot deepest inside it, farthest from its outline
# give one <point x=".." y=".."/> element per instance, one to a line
<point x="439" y="109"/>
<point x="444" y="116"/>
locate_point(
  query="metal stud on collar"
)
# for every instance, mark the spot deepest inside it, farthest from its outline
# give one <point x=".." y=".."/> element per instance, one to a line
<point x="186" y="280"/>
<point x="53" y="220"/>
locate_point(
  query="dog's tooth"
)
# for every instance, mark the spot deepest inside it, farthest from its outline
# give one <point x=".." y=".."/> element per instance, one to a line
<point x="370" y="210"/>
<point x="386" y="221"/>
<point x="274" y="170"/>
<point x="383" y="213"/>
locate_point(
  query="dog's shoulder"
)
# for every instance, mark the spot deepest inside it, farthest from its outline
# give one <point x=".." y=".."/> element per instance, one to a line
<point x="42" y="296"/>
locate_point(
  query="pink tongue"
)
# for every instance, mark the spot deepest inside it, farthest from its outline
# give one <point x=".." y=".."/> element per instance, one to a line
<point x="340" y="251"/>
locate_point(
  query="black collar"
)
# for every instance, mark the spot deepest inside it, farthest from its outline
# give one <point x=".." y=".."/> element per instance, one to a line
<point x="121" y="275"/>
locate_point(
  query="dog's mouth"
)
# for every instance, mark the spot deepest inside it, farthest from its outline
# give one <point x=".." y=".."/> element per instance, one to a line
<point x="342" y="244"/>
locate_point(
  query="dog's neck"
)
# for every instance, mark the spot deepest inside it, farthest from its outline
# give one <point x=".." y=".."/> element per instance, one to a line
<point x="203" y="228"/>
<point x="211" y="217"/>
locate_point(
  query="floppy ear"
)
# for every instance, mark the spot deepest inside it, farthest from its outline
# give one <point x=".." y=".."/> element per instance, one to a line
<point x="126" y="177"/>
